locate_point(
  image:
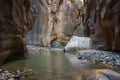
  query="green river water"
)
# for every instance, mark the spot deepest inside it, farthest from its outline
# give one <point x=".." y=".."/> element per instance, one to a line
<point x="52" y="65"/>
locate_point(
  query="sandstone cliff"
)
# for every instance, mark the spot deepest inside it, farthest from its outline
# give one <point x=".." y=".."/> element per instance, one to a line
<point x="16" y="19"/>
<point x="102" y="23"/>
<point x="58" y="20"/>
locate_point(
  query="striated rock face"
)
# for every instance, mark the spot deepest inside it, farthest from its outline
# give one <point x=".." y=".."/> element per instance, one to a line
<point x="16" y="19"/>
<point x="58" y="20"/>
<point x="102" y="23"/>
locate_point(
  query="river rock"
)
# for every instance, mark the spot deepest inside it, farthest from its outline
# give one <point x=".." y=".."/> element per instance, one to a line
<point x="103" y="57"/>
<point x="101" y="74"/>
<point x="6" y="75"/>
<point x="77" y="43"/>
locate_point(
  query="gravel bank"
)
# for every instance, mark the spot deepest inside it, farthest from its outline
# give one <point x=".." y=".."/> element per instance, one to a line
<point x="110" y="59"/>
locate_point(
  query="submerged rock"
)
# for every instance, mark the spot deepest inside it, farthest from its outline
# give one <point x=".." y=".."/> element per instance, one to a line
<point x="6" y="75"/>
<point x="101" y="74"/>
<point x="77" y="43"/>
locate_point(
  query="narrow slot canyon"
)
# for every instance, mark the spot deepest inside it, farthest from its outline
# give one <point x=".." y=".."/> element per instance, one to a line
<point x="59" y="39"/>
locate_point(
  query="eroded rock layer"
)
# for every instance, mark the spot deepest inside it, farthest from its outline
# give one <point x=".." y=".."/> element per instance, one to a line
<point x="102" y="23"/>
<point x="16" y="19"/>
<point x="58" y="20"/>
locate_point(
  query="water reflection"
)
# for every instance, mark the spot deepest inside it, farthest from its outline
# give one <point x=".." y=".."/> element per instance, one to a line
<point x="51" y="65"/>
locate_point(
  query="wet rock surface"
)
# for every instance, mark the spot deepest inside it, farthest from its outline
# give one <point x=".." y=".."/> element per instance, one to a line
<point x="21" y="74"/>
<point x="100" y="57"/>
<point x="6" y="75"/>
<point x="101" y="74"/>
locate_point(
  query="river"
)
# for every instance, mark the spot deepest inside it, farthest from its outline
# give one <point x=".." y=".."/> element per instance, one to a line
<point x="52" y="65"/>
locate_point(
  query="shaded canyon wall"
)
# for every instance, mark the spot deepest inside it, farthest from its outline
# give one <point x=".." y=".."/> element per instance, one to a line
<point x="16" y="19"/>
<point x="102" y="23"/>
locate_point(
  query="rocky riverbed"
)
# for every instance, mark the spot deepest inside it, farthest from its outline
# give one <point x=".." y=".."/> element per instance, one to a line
<point x="110" y="59"/>
<point x="106" y="58"/>
<point x="53" y="61"/>
<point x="7" y="75"/>
<point x="15" y="75"/>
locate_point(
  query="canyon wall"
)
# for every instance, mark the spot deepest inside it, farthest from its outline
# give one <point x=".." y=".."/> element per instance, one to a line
<point x="16" y="19"/>
<point x="102" y="23"/>
<point x="58" y="20"/>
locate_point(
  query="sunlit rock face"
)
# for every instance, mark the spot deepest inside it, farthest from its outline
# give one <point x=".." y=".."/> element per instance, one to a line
<point x="16" y="19"/>
<point x="77" y="43"/>
<point x="102" y="23"/>
<point x="58" y="20"/>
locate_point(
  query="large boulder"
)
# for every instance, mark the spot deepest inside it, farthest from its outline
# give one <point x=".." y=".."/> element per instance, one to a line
<point x="16" y="19"/>
<point x="77" y="43"/>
